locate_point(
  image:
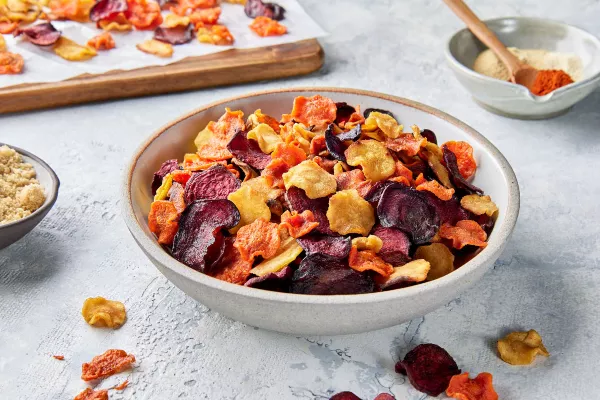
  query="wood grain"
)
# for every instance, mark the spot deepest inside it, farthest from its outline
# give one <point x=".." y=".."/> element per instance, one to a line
<point x="225" y="68"/>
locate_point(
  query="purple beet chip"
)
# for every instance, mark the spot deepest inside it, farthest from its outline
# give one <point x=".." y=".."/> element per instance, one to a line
<point x="335" y="146"/>
<point x="298" y="201"/>
<point x="176" y="35"/>
<point x="449" y="211"/>
<point x="198" y="242"/>
<point x="353" y="134"/>
<point x="457" y="178"/>
<point x="429" y="368"/>
<point x="333" y="246"/>
<point x="379" y="110"/>
<point x="374" y="194"/>
<point x="43" y="34"/>
<point x="215" y="183"/>
<point x="104" y="9"/>
<point x="275" y="282"/>
<point x="407" y="209"/>
<point x="248" y="151"/>
<point x="319" y="274"/>
<point x="166" y="168"/>
<point x="429" y="135"/>
<point x="396" y="245"/>
<point x="257" y="8"/>
<point x="344" y="396"/>
<point x="344" y="111"/>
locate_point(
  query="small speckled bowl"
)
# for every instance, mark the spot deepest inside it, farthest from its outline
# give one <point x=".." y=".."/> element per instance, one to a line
<point x="309" y="314"/>
<point x="516" y="101"/>
<point x="13" y="231"/>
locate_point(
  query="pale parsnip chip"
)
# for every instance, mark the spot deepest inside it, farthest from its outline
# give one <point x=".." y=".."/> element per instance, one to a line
<point x="520" y="348"/>
<point x="388" y="125"/>
<point x="174" y="20"/>
<point x="413" y="272"/>
<point x="262" y="185"/>
<point x="479" y="205"/>
<point x="266" y="137"/>
<point x="158" y="48"/>
<point x="440" y="258"/>
<point x="251" y="205"/>
<point x="374" y="158"/>
<point x="288" y="251"/>
<point x="350" y="213"/>
<point x="100" y="312"/>
<point x="370" y="242"/>
<point x="71" y="51"/>
<point x="309" y="176"/>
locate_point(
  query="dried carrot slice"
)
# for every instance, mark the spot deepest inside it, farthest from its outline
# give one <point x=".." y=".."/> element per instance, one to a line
<point x="208" y="16"/>
<point x="406" y="143"/>
<point x="144" y="15"/>
<point x="291" y="154"/>
<point x="122" y="385"/>
<point x="260" y="238"/>
<point x="317" y="145"/>
<point x="109" y="363"/>
<point x="317" y="110"/>
<point x="367" y="260"/>
<point x="274" y="171"/>
<point x="437" y="189"/>
<point x="402" y="171"/>
<point x="7" y="27"/>
<point x="162" y="221"/>
<point x="232" y="267"/>
<point x="298" y="224"/>
<point x="466" y="232"/>
<point x="10" y="63"/>
<point x="420" y="179"/>
<point x="480" y="388"/>
<point x="214" y="148"/>
<point x="59" y="357"/>
<point x="181" y="176"/>
<point x="464" y="157"/>
<point x="103" y="41"/>
<point x="265" y="26"/>
<point x="354" y="179"/>
<point x="90" y="394"/>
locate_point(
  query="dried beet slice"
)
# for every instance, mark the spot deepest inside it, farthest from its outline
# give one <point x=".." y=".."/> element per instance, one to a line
<point x="43" y="34"/>
<point x="486" y="222"/>
<point x="166" y="168"/>
<point x="335" y="146"/>
<point x="275" y="282"/>
<point x="299" y="201"/>
<point x="248" y="150"/>
<point x="377" y="190"/>
<point x="407" y="209"/>
<point x="457" y="178"/>
<point x="379" y="110"/>
<point x="333" y="246"/>
<point x="353" y="134"/>
<point x="198" y="242"/>
<point x="450" y="211"/>
<point x="176" y="35"/>
<point x="344" y="396"/>
<point x="429" y="368"/>
<point x="105" y="9"/>
<point x="344" y="111"/>
<point x="257" y="8"/>
<point x="396" y="245"/>
<point x="429" y="135"/>
<point x="319" y="274"/>
<point x="217" y="182"/>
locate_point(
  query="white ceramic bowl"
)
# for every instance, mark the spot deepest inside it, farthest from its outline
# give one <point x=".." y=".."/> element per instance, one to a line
<point x="308" y="314"/>
<point x="516" y="101"/>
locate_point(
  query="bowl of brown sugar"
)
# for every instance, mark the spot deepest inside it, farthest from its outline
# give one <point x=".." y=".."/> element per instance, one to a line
<point x="568" y="58"/>
<point x="28" y="190"/>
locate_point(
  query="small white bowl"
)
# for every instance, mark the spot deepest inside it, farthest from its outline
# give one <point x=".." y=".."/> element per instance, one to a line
<point x="516" y="101"/>
<point x="309" y="314"/>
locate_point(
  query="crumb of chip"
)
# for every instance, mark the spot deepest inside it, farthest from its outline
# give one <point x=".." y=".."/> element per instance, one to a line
<point x="122" y="385"/>
<point x="59" y="357"/>
<point x="20" y="193"/>
<point x="90" y="394"/>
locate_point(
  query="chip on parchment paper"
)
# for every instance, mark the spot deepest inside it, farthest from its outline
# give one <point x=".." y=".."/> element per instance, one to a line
<point x="155" y="47"/>
<point x="103" y="41"/>
<point x="11" y="63"/>
<point x="71" y="51"/>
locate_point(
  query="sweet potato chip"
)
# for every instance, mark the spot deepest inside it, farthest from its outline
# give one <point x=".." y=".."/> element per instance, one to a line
<point x="317" y="110"/>
<point x="162" y="221"/>
<point x="218" y="35"/>
<point x="11" y="63"/>
<point x="367" y="260"/>
<point x="103" y="41"/>
<point x="163" y="190"/>
<point x="90" y="394"/>
<point x="260" y="238"/>
<point x="413" y="272"/>
<point x="354" y="179"/>
<point x="118" y="22"/>
<point x="156" y="47"/>
<point x="388" y="125"/>
<point x="251" y="205"/>
<point x="259" y="118"/>
<point x="213" y="140"/>
<point x="438" y="190"/>
<point x="479" y="205"/>
<point x="266" y="137"/>
<point x="232" y="267"/>
<point x="100" y="312"/>
<point x="464" y="157"/>
<point x="370" y="242"/>
<point x="466" y="232"/>
<point x="209" y="16"/>
<point x="350" y="213"/>
<point x="109" y="363"/>
<point x="144" y="14"/>
<point x="7" y="26"/>
<point x="275" y="170"/>
<point x="291" y="154"/>
<point x="265" y="26"/>
<point x="298" y="224"/>
<point x="314" y="180"/>
<point x="480" y="388"/>
<point x="439" y="257"/>
<point x="71" y="51"/>
<point x="74" y="10"/>
<point x="521" y="348"/>
<point x="405" y="143"/>
<point x="376" y="162"/>
<point x="286" y="254"/>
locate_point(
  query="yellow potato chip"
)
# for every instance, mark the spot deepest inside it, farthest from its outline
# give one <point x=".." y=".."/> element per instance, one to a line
<point x="266" y="137"/>
<point x="288" y="251"/>
<point x="338" y="168"/>
<point x="440" y="258"/>
<point x="100" y="312"/>
<point x="163" y="191"/>
<point x="479" y="205"/>
<point x="374" y="158"/>
<point x="262" y="185"/>
<point x="156" y="47"/>
<point x="2" y="43"/>
<point x="314" y="180"/>
<point x="71" y="51"/>
<point x="370" y="242"/>
<point x="174" y="20"/>
<point x="388" y="125"/>
<point x="520" y="348"/>
<point x="434" y="158"/>
<point x="412" y="272"/>
<point x="350" y="213"/>
<point x="251" y="205"/>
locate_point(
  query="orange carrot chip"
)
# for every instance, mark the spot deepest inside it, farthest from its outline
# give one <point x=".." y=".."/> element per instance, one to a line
<point x="298" y="224"/>
<point x="103" y="41"/>
<point x="144" y="14"/>
<point x="162" y="221"/>
<point x="209" y="16"/>
<point x="74" y="10"/>
<point x="466" y="232"/>
<point x="7" y="26"/>
<point x="109" y="363"/>
<point x="212" y="141"/>
<point x="437" y="189"/>
<point x="177" y="196"/>
<point x="317" y="110"/>
<point x="11" y="63"/>
<point x="265" y="26"/>
<point x="367" y="260"/>
<point x="118" y="23"/>
<point x="479" y="205"/>
<point x="420" y="179"/>
<point x="122" y="385"/>
<point x="353" y="179"/>
<point x="290" y="153"/>
<point x="464" y="157"/>
<point x="218" y="35"/>
<point x="440" y="258"/>
<point x="260" y="238"/>
<point x="520" y="348"/>
<point x="259" y="118"/>
<point x="275" y="170"/>
<point x="406" y="143"/>
<point x="232" y="268"/>
<point x="461" y="387"/>
<point x="287" y="253"/>
<point x="90" y="394"/>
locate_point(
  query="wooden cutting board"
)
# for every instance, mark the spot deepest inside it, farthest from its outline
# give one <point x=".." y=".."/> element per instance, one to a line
<point x="225" y="68"/>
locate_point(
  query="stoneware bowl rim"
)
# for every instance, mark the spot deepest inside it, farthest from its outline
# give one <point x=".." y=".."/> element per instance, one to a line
<point x="522" y="90"/>
<point x="52" y="192"/>
<point x="495" y="244"/>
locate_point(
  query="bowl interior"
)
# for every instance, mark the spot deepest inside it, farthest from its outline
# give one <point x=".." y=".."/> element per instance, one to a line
<point x="531" y="33"/>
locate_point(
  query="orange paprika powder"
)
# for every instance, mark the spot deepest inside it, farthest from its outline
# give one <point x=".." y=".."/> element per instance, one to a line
<point x="549" y="80"/>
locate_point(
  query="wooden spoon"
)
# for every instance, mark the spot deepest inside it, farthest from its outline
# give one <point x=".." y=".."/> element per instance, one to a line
<point x="520" y="73"/>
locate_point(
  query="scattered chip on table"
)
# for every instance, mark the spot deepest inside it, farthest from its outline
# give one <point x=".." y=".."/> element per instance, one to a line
<point x="100" y="312"/>
<point x="521" y="348"/>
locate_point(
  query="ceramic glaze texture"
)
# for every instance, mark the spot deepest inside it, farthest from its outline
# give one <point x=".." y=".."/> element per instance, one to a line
<point x="547" y="277"/>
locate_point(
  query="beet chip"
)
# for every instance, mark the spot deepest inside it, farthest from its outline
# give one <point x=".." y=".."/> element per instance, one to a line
<point x="323" y="275"/>
<point x="166" y="168"/>
<point x="377" y="190"/>
<point x="344" y="111"/>
<point x="449" y="211"/>
<point x="298" y="201"/>
<point x="275" y="282"/>
<point x="429" y="135"/>
<point x="396" y="245"/>
<point x="429" y="368"/>
<point x="105" y="9"/>
<point x="353" y="134"/>
<point x="231" y="267"/>
<point x="334" y="145"/>
<point x="344" y="396"/>
<point x="457" y="178"/>
<point x="176" y="35"/>
<point x="43" y="34"/>
<point x="333" y="246"/>
<point x="379" y="110"/>
<point x="248" y="150"/>
<point x="212" y="184"/>
<point x="405" y="208"/>
<point x="256" y="8"/>
<point x="199" y="243"/>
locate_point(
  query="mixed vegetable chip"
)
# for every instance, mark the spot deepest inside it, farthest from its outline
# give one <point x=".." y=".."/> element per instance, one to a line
<point x="323" y="200"/>
<point x="521" y="348"/>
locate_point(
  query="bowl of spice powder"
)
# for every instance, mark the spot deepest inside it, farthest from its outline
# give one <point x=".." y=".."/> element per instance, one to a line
<point x="28" y="190"/>
<point x="568" y="59"/>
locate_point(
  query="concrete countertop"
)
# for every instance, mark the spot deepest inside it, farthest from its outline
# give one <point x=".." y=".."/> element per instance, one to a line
<point x="547" y="279"/>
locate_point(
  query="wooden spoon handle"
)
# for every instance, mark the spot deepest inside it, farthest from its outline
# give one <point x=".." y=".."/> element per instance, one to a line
<point x="484" y="34"/>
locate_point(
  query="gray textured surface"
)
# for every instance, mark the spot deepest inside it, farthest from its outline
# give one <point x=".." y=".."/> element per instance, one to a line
<point x="547" y="278"/>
